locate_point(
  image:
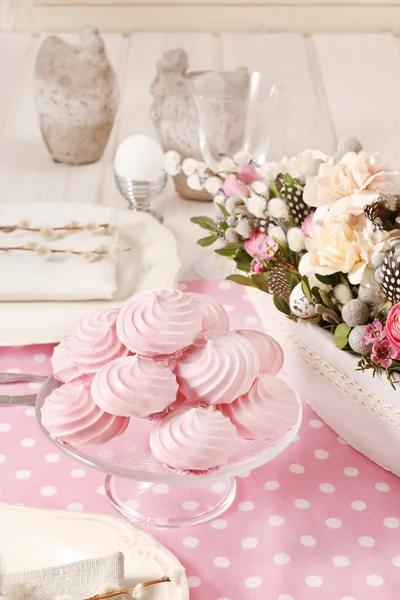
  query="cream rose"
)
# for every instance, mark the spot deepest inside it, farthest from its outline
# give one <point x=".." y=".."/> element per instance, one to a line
<point x="347" y="187"/>
<point x="335" y="247"/>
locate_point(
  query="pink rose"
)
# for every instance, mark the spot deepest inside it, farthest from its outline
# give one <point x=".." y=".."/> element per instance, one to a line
<point x="261" y="246"/>
<point x="248" y="174"/>
<point x="233" y="187"/>
<point x="256" y="266"/>
<point x="392" y="327"/>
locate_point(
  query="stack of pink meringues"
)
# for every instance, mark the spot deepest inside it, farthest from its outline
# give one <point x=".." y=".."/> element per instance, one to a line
<point x="169" y="356"/>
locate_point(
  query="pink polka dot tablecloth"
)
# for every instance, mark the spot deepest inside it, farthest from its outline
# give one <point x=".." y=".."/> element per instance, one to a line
<point x="320" y="521"/>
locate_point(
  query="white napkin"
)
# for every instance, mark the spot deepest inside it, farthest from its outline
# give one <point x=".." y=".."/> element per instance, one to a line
<point x="25" y="276"/>
<point x="78" y="580"/>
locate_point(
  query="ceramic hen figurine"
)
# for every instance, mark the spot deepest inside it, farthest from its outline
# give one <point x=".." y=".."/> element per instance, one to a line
<point x="174" y="114"/>
<point x="76" y="97"/>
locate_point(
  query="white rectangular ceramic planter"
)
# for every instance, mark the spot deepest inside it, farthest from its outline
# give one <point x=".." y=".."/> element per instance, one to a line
<point x="363" y="410"/>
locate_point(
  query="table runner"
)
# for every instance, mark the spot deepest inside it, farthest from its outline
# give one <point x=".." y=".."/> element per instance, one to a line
<point x="320" y="521"/>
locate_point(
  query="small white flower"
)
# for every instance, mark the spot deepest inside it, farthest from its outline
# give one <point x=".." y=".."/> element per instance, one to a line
<point x="72" y="225"/>
<point x="219" y="199"/>
<point x="201" y="167"/>
<point x="277" y="233"/>
<point x="295" y="238"/>
<point x="48" y="234"/>
<point x="242" y="158"/>
<point x="24" y="224"/>
<point x="172" y="161"/>
<point x="91" y="227"/>
<point x="101" y="248"/>
<point x="270" y="170"/>
<point x="30" y="245"/>
<point x="194" y="182"/>
<point x="278" y="209"/>
<point x="342" y="293"/>
<point x="260" y="187"/>
<point x="115" y="251"/>
<point x="256" y="205"/>
<point x="213" y="185"/>
<point x="227" y="164"/>
<point x="88" y="257"/>
<point x="189" y="166"/>
<point x="43" y="252"/>
<point x="111" y="229"/>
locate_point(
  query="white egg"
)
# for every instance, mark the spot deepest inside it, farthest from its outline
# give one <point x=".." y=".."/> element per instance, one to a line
<point x="139" y="157"/>
<point x="299" y="305"/>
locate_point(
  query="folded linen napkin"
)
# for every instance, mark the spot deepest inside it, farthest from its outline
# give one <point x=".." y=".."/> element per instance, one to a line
<point x="25" y="276"/>
<point x="78" y="580"/>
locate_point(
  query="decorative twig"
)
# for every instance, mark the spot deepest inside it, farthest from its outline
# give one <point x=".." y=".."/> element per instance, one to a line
<point x="73" y="226"/>
<point x="129" y="590"/>
<point x="45" y="252"/>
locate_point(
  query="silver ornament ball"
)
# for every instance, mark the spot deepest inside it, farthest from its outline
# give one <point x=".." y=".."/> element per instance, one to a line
<point x="355" y="312"/>
<point x="355" y="340"/>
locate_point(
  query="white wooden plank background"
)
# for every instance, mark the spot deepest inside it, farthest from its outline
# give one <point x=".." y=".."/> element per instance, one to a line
<point x="335" y="85"/>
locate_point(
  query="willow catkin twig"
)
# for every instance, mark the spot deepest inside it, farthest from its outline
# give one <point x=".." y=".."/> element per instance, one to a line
<point x="129" y="590"/>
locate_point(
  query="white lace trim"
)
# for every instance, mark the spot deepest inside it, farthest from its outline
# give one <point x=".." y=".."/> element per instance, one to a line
<point x="356" y="392"/>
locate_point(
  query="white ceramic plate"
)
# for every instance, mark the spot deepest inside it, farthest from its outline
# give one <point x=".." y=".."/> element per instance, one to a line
<point x="34" y="538"/>
<point x="158" y="265"/>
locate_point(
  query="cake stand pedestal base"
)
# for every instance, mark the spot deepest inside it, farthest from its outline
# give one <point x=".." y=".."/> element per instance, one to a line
<point x="171" y="505"/>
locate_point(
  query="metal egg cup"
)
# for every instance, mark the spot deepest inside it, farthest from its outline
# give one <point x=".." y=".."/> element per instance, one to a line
<point x="139" y="193"/>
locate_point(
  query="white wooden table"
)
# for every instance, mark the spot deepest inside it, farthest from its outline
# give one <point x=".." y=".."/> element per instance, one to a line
<point x="335" y="85"/>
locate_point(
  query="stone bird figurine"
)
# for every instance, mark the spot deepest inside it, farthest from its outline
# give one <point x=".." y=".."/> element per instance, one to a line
<point x="76" y="97"/>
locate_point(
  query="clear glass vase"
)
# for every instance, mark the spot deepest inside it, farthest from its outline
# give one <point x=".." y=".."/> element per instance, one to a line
<point x="236" y="112"/>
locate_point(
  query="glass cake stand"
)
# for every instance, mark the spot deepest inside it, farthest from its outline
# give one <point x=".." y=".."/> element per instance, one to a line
<point x="145" y="492"/>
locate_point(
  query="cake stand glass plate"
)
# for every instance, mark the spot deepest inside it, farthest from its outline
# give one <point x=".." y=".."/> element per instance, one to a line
<point x="155" y="264"/>
<point x="67" y="536"/>
<point x="141" y="489"/>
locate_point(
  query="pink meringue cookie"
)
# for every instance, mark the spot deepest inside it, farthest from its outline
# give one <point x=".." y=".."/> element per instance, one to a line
<point x="160" y="322"/>
<point x="194" y="439"/>
<point x="134" y="386"/>
<point x="95" y="342"/>
<point x="63" y="368"/>
<point x="214" y="314"/>
<point x="269" y="351"/>
<point x="219" y="367"/>
<point x="69" y="414"/>
<point x="268" y="410"/>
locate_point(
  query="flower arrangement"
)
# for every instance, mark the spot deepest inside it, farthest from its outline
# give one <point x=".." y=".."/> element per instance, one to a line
<point x="319" y="233"/>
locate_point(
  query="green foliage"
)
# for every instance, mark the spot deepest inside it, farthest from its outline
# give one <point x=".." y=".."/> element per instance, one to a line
<point x="208" y="240"/>
<point x="243" y="261"/>
<point x="341" y="335"/>
<point x="205" y="223"/>
<point x="305" y="286"/>
<point x="223" y="210"/>
<point x="261" y="281"/>
<point x="292" y="278"/>
<point x="242" y="280"/>
<point x="230" y="250"/>
<point x="326" y="279"/>
<point x="281" y="305"/>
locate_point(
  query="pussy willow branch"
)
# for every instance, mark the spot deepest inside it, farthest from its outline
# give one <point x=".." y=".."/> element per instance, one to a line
<point x="77" y="252"/>
<point x="11" y="228"/>
<point x="130" y="589"/>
